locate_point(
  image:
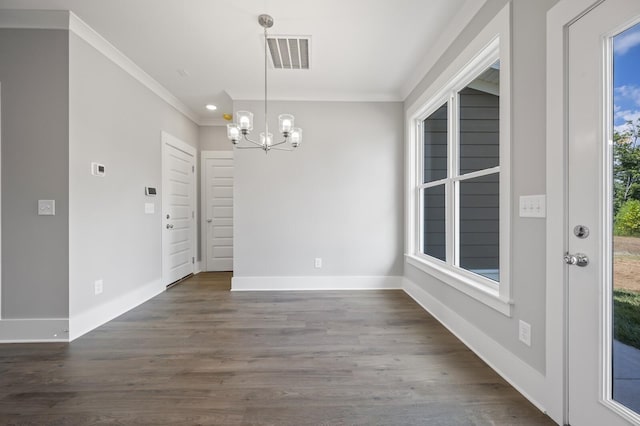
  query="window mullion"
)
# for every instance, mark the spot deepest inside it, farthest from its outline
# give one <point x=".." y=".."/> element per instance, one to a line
<point x="419" y="163"/>
<point x="451" y="204"/>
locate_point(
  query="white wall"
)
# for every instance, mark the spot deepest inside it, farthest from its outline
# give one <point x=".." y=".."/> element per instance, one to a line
<point x="528" y="177"/>
<point x="339" y="196"/>
<point x="116" y="121"/>
<point x="34" y="77"/>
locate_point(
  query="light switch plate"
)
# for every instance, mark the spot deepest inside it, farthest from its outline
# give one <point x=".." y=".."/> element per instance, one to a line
<point x="149" y="208"/>
<point x="46" y="207"/>
<point x="533" y="206"/>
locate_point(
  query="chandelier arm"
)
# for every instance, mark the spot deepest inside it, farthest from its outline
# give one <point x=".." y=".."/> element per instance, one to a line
<point x="279" y="143"/>
<point x="249" y="147"/>
<point x="281" y="149"/>
<point x="258" y="144"/>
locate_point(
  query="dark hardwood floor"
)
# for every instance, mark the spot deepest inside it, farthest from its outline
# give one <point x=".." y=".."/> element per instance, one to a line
<point x="199" y="354"/>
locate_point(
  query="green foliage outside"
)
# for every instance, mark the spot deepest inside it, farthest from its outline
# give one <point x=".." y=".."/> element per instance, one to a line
<point x="626" y="317"/>
<point x="626" y="166"/>
<point x="626" y="211"/>
<point x="627" y="221"/>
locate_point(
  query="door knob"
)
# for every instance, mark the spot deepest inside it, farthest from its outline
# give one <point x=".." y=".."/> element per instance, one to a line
<point x="169" y="226"/>
<point x="578" y="259"/>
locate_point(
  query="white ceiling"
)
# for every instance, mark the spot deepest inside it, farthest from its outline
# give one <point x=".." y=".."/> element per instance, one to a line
<point x="361" y="50"/>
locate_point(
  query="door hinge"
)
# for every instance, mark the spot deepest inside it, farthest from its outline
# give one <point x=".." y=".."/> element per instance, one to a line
<point x="193" y="260"/>
<point x="193" y="169"/>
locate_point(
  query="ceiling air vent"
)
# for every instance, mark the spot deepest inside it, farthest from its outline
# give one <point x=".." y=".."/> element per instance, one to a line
<point x="289" y="52"/>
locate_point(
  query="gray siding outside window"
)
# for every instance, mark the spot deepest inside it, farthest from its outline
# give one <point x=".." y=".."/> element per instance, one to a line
<point x="480" y="197"/>
<point x="435" y="145"/>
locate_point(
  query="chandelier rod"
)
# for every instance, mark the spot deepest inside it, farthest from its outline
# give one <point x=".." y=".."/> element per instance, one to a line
<point x="266" y="126"/>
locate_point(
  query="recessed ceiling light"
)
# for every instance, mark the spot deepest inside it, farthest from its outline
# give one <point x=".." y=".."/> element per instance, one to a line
<point x="211" y="107"/>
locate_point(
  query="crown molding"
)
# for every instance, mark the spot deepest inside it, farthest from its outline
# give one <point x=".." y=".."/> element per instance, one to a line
<point x="102" y="45"/>
<point x="320" y="97"/>
<point x="448" y="36"/>
<point x="67" y="20"/>
<point x="208" y="121"/>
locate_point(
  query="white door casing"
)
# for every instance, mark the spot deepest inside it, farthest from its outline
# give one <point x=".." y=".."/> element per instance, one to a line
<point x="589" y="182"/>
<point x="178" y="209"/>
<point x="217" y="209"/>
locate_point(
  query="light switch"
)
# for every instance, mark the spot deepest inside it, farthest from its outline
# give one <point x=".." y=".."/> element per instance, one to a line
<point x="533" y="206"/>
<point x="46" y="207"/>
<point x="149" y="208"/>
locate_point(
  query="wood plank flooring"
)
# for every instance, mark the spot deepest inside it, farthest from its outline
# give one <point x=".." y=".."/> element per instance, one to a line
<point x="199" y="354"/>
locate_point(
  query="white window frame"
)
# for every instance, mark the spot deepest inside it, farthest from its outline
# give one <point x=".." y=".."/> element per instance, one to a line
<point x="492" y="44"/>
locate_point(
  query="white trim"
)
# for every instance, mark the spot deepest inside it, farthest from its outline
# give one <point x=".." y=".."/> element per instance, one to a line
<point x="210" y="121"/>
<point x="558" y="19"/>
<point x="34" y="330"/>
<point x="84" y="322"/>
<point x="67" y="20"/>
<point x="206" y="155"/>
<point x="464" y="282"/>
<point x="316" y="283"/>
<point x="524" y="378"/>
<point x="168" y="139"/>
<point x="322" y="96"/>
<point x="198" y="268"/>
<point x="491" y="44"/>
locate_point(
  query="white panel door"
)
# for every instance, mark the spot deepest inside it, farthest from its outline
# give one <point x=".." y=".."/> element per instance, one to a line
<point x="178" y="210"/>
<point x="218" y="184"/>
<point x="591" y="375"/>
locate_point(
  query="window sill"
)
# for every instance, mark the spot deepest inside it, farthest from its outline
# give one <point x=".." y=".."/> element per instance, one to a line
<point x="463" y="283"/>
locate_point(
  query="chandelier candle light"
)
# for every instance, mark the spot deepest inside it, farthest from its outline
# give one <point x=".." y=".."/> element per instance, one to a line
<point x="238" y="132"/>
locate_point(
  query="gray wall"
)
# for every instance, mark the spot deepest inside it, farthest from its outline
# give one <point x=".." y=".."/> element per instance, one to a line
<point x="214" y="138"/>
<point x="339" y="196"/>
<point x="116" y="121"/>
<point x="35" y="117"/>
<point x="528" y="177"/>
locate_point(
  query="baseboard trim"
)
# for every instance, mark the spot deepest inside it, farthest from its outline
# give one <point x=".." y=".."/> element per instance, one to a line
<point x="34" y="330"/>
<point x="316" y="283"/>
<point x="524" y="378"/>
<point x="91" y="319"/>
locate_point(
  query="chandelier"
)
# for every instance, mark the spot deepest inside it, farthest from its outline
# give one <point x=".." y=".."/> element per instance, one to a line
<point x="238" y="132"/>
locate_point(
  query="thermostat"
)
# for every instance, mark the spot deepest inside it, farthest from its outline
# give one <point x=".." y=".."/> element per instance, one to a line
<point x="97" y="169"/>
<point x="150" y="191"/>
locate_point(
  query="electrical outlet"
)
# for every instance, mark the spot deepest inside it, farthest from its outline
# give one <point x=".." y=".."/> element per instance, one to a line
<point x="318" y="263"/>
<point x="524" y="333"/>
<point x="98" y="287"/>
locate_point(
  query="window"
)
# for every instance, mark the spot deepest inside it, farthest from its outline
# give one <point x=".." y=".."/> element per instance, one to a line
<point x="465" y="169"/>
<point x="459" y="197"/>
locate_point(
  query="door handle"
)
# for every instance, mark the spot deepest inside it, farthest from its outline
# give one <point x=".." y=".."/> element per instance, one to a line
<point x="578" y="259"/>
<point x="169" y="226"/>
<point x="209" y="220"/>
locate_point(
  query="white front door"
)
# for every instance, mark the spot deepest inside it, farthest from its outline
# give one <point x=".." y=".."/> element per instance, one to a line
<point x="594" y="396"/>
<point x="218" y="191"/>
<point x="178" y="209"/>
